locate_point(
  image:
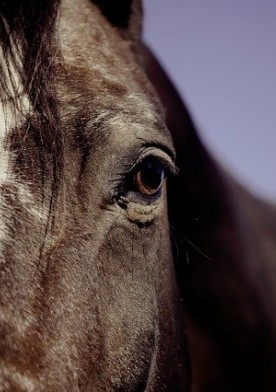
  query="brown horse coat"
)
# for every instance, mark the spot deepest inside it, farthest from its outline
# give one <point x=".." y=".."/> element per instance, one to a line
<point x="225" y="260"/>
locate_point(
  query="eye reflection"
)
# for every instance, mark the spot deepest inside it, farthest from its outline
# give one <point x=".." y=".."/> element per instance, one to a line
<point x="148" y="179"/>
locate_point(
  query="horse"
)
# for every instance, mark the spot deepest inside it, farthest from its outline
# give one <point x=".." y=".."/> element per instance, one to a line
<point x="130" y="260"/>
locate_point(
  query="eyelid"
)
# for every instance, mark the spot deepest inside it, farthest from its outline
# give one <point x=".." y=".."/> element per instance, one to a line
<point x="157" y="153"/>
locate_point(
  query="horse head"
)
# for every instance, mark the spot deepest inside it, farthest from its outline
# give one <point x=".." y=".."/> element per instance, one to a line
<point x="88" y="293"/>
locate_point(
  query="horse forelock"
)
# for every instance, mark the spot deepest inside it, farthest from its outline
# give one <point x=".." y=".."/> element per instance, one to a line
<point x="28" y="49"/>
<point x="29" y="107"/>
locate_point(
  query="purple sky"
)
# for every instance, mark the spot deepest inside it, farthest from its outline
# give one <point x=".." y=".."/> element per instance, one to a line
<point x="221" y="55"/>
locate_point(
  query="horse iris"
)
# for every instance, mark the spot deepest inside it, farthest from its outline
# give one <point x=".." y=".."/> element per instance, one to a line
<point x="149" y="178"/>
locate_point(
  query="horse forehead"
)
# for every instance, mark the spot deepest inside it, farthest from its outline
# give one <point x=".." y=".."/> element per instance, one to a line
<point x="87" y="37"/>
<point x="99" y="59"/>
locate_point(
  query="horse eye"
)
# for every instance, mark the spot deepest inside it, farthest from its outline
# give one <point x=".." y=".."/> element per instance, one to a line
<point x="149" y="177"/>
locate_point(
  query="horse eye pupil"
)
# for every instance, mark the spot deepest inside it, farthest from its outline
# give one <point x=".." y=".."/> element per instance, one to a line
<point x="149" y="178"/>
<point x="151" y="175"/>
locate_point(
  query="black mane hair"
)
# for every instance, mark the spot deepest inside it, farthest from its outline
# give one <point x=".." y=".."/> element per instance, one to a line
<point x="27" y="43"/>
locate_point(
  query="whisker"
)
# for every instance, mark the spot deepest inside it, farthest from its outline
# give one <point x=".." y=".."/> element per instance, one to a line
<point x="183" y="239"/>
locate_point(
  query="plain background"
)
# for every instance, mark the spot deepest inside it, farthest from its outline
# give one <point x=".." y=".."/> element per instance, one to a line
<point x="221" y="55"/>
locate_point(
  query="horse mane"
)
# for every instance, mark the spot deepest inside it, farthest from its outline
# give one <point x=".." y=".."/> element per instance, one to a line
<point x="27" y="43"/>
<point x="28" y="47"/>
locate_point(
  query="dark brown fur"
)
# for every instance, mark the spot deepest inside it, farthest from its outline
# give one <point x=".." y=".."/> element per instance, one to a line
<point x="225" y="260"/>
